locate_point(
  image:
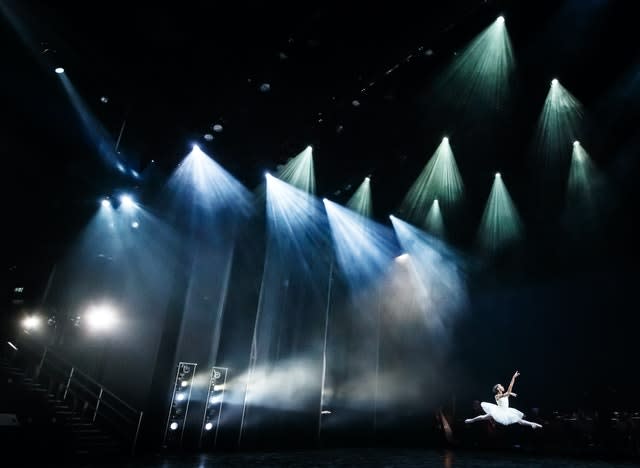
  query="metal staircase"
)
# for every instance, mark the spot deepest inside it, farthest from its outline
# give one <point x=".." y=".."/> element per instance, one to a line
<point x="61" y="412"/>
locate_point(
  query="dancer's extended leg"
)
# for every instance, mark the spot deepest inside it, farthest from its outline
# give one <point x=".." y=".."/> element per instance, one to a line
<point x="529" y="423"/>
<point x="482" y="417"/>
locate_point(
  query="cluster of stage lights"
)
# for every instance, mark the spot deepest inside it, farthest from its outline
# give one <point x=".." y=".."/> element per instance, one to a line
<point x="182" y="396"/>
<point x="301" y="174"/>
<point x="34" y="322"/>
<point x="213" y="408"/>
<point x="126" y="202"/>
<point x="99" y="318"/>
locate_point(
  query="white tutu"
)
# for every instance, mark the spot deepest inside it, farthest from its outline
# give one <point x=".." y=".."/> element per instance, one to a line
<point x="501" y="413"/>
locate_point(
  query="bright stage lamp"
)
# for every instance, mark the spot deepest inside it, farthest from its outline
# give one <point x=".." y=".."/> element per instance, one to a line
<point x="402" y="258"/>
<point x="31" y="323"/>
<point x="127" y="202"/>
<point x="101" y="317"/>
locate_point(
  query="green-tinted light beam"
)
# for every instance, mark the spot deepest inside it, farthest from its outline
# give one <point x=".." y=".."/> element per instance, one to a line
<point x="434" y="222"/>
<point x="299" y="172"/>
<point x="482" y="69"/>
<point x="360" y="201"/>
<point x="582" y="179"/>
<point x="500" y="225"/>
<point x="440" y="180"/>
<point x="559" y="123"/>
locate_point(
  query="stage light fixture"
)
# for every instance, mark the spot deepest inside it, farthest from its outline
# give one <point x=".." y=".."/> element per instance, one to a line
<point x="179" y="408"/>
<point x="213" y="407"/>
<point x="59" y="70"/>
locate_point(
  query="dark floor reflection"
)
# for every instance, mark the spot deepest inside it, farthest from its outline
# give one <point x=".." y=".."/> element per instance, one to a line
<point x="387" y="458"/>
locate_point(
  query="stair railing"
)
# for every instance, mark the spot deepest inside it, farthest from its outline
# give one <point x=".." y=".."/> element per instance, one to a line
<point x="86" y="396"/>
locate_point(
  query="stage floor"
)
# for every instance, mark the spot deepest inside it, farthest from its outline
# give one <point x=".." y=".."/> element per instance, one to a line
<point x="388" y="458"/>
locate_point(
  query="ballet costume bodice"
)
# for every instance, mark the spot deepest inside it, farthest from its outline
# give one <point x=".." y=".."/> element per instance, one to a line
<point x="503" y="402"/>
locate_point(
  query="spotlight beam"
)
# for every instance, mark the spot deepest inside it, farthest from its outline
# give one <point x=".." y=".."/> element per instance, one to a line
<point x="299" y="171"/>
<point x="440" y="179"/>
<point x="363" y="248"/>
<point x="204" y="186"/>
<point x="481" y="71"/>
<point x="500" y="225"/>
<point x="360" y="201"/>
<point x="583" y="180"/>
<point x="560" y="122"/>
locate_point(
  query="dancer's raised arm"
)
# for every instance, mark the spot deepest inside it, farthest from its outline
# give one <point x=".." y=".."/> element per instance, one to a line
<point x="508" y="392"/>
<point x="513" y="380"/>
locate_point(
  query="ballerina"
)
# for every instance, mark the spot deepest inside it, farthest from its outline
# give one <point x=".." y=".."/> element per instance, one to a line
<point x="501" y="413"/>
